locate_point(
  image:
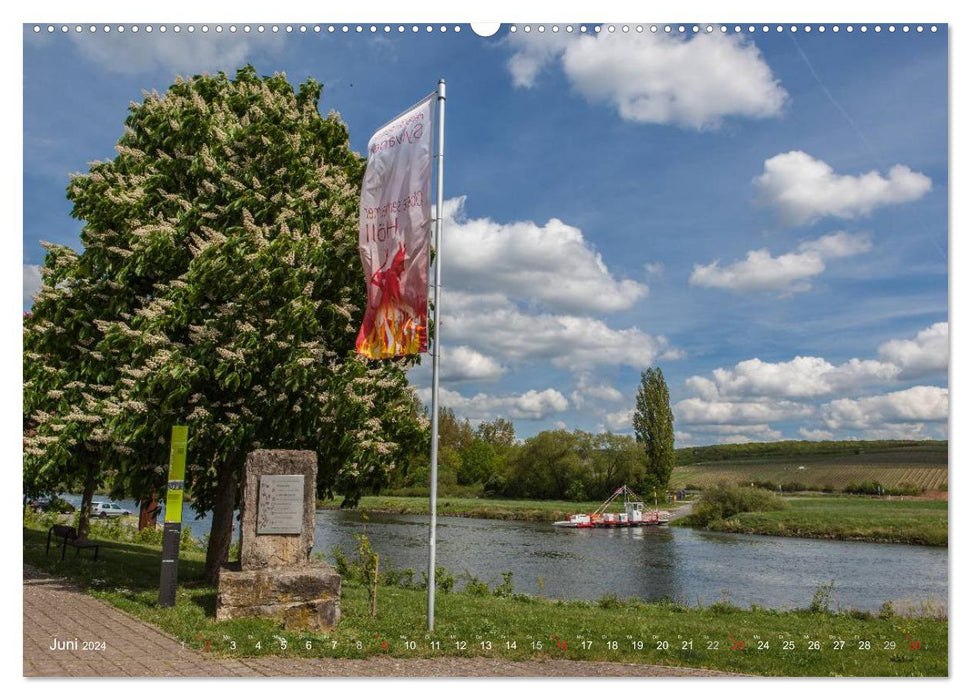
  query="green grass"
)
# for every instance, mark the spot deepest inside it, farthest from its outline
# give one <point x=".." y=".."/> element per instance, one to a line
<point x="846" y="518"/>
<point x="536" y="511"/>
<point x="521" y="627"/>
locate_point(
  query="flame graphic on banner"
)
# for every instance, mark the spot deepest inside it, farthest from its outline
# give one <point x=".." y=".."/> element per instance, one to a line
<point x="393" y="327"/>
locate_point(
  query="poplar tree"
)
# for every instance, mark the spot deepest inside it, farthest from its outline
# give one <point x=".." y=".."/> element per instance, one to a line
<point x="221" y="288"/>
<point x="654" y="426"/>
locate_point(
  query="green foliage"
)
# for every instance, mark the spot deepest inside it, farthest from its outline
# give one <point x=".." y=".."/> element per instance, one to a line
<point x="504" y="589"/>
<point x="822" y="599"/>
<point x="444" y="581"/>
<point x="479" y="462"/>
<point x="725" y="501"/>
<point x="475" y="586"/>
<point x="609" y="601"/>
<point x="654" y="426"/>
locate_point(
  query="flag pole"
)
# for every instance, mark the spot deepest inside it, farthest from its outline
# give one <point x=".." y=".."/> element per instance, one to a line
<point x="436" y="354"/>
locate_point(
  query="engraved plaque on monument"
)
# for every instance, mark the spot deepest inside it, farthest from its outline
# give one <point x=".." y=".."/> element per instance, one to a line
<point x="280" y="505"/>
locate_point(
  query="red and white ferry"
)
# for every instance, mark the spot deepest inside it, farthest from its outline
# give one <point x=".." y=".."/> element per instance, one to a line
<point x="633" y="514"/>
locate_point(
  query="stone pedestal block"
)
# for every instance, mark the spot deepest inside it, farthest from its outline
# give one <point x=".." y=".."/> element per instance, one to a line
<point x="304" y="597"/>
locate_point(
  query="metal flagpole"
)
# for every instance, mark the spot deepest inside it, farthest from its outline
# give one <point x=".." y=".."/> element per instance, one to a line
<point x="436" y="354"/>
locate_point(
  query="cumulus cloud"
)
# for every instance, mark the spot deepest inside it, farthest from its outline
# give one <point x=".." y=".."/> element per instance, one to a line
<point x="915" y="405"/>
<point x="619" y="420"/>
<point x="172" y="52"/>
<point x="531" y="405"/>
<point x="926" y="353"/>
<point x="552" y="263"/>
<point x="816" y="434"/>
<point x="800" y="377"/>
<point x="587" y="388"/>
<point x="492" y="323"/>
<point x="789" y="272"/>
<point x="692" y="82"/>
<point x="699" y="411"/>
<point x="32" y="283"/>
<point x="462" y="363"/>
<point x="801" y="189"/>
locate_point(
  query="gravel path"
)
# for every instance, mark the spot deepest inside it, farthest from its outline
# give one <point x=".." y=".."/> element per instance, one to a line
<point x="55" y="609"/>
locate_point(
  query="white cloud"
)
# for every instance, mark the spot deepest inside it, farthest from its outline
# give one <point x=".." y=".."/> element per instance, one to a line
<point x="927" y="352"/>
<point x="493" y="324"/>
<point x="655" y="269"/>
<point x="815" y="434"/>
<point x="800" y="377"/>
<point x="801" y="189"/>
<point x="914" y="405"/>
<point x="587" y="389"/>
<point x="462" y="363"/>
<point x="790" y="272"/>
<point x="763" y="431"/>
<point x="699" y="411"/>
<point x="32" y="282"/>
<point x="187" y="53"/>
<point x="531" y="405"/>
<point x="658" y="78"/>
<point x="619" y="420"/>
<point x="552" y="263"/>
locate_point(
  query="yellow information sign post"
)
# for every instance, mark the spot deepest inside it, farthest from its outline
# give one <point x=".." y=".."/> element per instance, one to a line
<point x="172" y="530"/>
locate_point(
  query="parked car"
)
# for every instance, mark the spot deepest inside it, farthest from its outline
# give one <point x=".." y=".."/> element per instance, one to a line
<point x="55" y="504"/>
<point x="104" y="509"/>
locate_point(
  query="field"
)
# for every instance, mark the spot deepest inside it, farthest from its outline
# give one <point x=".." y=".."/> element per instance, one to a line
<point x="847" y="518"/>
<point x="814" y="642"/>
<point x="922" y="466"/>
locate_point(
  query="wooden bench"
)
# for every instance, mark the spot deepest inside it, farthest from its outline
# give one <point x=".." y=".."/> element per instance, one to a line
<point x="70" y="537"/>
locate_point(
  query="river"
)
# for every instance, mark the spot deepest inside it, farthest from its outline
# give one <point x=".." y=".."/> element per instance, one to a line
<point x="685" y="565"/>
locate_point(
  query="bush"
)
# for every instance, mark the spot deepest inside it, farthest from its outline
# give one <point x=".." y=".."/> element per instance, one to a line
<point x="609" y="601"/>
<point x="504" y="589"/>
<point x="822" y="598"/>
<point x="402" y="579"/>
<point x="444" y="581"/>
<point x="724" y="501"/>
<point x="476" y="587"/>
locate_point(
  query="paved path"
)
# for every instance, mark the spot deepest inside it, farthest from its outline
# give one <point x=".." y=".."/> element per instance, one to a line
<point x="55" y="609"/>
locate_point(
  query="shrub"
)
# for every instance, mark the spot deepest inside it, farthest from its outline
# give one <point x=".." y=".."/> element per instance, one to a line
<point x="609" y="601"/>
<point x="444" y="581"/>
<point x="476" y="587"/>
<point x="504" y="589"/>
<point x="822" y="598"/>
<point x="724" y="501"/>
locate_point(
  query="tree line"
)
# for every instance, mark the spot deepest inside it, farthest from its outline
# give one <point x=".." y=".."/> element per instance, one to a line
<point x="574" y="465"/>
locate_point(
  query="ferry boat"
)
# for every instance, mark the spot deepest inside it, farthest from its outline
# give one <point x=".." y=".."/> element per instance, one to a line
<point x="633" y="514"/>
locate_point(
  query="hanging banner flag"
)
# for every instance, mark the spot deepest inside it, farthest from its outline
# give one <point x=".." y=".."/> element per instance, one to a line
<point x="393" y="238"/>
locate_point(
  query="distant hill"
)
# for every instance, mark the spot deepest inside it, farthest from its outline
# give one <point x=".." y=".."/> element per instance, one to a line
<point x="863" y="451"/>
<point x="816" y="465"/>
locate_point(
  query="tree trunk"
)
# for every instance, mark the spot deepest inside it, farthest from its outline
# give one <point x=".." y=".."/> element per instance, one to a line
<point x="148" y="510"/>
<point x="84" y="519"/>
<point x="221" y="534"/>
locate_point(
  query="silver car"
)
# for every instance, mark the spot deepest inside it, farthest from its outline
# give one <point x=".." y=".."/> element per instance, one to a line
<point x="104" y="509"/>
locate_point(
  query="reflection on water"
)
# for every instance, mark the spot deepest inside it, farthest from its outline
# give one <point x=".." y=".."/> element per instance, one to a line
<point x="650" y="563"/>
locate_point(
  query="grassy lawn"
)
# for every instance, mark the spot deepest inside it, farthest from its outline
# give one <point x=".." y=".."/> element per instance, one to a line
<point x="848" y="518"/>
<point x="537" y="511"/>
<point x="720" y="636"/>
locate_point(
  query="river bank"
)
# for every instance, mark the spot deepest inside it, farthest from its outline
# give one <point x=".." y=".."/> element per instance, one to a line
<point x="849" y="518"/>
<point x="508" y="625"/>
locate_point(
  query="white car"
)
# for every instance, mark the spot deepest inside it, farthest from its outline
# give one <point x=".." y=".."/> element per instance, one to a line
<point x="103" y="509"/>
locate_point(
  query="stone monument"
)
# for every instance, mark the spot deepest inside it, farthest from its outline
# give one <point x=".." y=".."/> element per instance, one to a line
<point x="275" y="577"/>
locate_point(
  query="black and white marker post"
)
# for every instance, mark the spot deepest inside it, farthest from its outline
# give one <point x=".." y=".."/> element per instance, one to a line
<point x="172" y="532"/>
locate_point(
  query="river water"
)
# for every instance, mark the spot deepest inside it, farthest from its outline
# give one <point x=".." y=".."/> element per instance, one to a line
<point x="650" y="563"/>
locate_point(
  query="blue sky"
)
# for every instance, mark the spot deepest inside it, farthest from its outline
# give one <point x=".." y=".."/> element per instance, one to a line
<point x="763" y="215"/>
